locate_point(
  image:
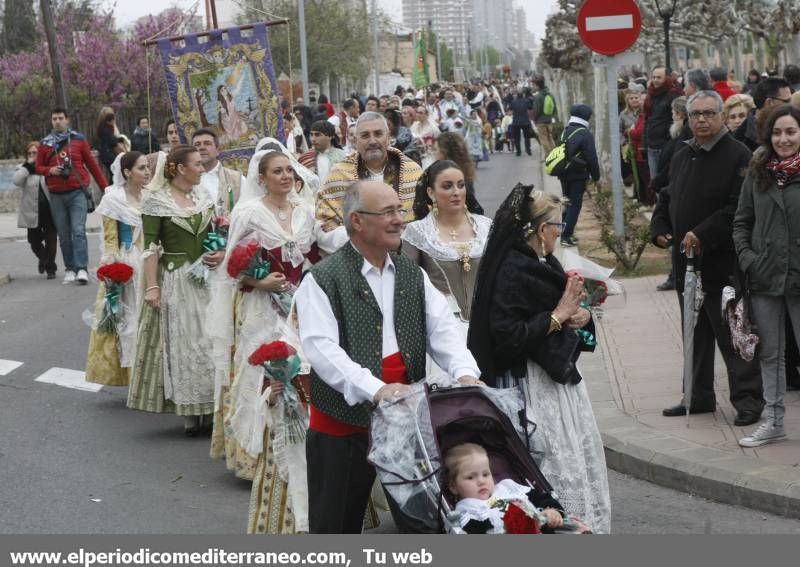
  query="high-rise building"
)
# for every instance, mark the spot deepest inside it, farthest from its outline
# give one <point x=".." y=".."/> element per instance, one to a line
<point x="493" y="23"/>
<point x="451" y="21"/>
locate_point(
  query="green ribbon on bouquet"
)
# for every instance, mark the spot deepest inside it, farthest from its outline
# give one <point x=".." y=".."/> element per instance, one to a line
<point x="111" y="309"/>
<point x="214" y="242"/>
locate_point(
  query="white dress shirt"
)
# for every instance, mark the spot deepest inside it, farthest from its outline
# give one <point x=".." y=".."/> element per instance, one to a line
<point x="210" y="181"/>
<point x="319" y="334"/>
<point x="323" y="165"/>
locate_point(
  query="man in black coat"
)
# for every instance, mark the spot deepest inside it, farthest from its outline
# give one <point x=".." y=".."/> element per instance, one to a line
<point x="658" y="114"/>
<point x="522" y="112"/>
<point x="583" y="165"/>
<point x="696" y="212"/>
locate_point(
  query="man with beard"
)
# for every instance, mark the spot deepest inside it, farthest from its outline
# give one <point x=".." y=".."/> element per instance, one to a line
<point x="695" y="211"/>
<point x="658" y="114"/>
<point x="373" y="160"/>
<point x="326" y="152"/>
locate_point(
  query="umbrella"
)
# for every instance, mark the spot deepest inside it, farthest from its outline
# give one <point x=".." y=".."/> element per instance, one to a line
<point x="692" y="302"/>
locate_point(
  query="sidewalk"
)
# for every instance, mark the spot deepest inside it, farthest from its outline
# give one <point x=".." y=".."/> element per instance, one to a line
<point x="9" y="232"/>
<point x="637" y="372"/>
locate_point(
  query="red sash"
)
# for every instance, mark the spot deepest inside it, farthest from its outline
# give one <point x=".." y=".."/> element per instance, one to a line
<point x="394" y="371"/>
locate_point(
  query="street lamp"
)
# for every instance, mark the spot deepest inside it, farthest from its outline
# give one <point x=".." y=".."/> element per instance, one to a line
<point x="666" y="14"/>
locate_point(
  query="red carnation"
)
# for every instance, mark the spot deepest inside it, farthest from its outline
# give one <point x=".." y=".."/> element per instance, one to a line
<point x="116" y="272"/>
<point x="516" y="521"/>
<point x="276" y="350"/>
<point x="221" y="222"/>
<point x="242" y="257"/>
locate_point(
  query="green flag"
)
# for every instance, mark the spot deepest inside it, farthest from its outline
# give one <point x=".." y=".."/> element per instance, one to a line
<point x="420" y="77"/>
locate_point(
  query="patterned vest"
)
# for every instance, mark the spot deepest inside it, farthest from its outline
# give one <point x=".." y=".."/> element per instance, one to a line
<point x="361" y="325"/>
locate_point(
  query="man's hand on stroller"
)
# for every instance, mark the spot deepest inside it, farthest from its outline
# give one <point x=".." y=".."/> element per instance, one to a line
<point x="389" y="392"/>
<point x="470" y="381"/>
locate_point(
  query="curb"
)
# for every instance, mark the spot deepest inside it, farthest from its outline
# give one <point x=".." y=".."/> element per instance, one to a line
<point x="652" y="455"/>
<point x="21" y="236"/>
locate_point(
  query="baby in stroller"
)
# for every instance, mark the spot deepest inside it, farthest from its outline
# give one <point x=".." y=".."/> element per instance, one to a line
<point x="484" y="507"/>
<point x="421" y="443"/>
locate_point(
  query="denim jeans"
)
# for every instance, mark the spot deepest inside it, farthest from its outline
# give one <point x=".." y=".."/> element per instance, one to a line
<point x="769" y="314"/>
<point x="69" y="215"/>
<point x="652" y="161"/>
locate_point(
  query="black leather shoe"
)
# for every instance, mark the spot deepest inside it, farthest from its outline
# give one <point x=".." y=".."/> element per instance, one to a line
<point x="666" y="285"/>
<point x="746" y="418"/>
<point x="41" y="266"/>
<point x="680" y="409"/>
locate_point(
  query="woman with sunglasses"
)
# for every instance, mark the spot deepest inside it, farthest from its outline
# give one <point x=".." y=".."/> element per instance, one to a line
<point x="527" y="329"/>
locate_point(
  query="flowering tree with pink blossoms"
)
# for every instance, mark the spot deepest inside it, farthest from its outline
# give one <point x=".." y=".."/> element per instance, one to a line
<point x="102" y="66"/>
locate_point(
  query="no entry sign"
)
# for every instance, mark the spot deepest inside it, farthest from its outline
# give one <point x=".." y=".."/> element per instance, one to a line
<point x="609" y="27"/>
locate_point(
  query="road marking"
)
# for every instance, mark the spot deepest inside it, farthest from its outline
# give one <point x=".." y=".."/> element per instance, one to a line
<point x="606" y="23"/>
<point x="7" y="366"/>
<point x="75" y="379"/>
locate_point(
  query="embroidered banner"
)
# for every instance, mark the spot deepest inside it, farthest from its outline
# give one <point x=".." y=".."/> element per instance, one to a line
<point x="226" y="84"/>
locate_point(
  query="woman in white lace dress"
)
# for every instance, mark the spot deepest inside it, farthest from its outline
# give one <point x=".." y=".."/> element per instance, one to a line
<point x="527" y="329"/>
<point x="245" y="313"/>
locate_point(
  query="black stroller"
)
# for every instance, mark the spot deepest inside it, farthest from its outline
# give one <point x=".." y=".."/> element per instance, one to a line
<point x="409" y="438"/>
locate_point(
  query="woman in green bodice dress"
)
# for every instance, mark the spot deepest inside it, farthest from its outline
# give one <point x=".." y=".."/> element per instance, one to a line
<point x="173" y="369"/>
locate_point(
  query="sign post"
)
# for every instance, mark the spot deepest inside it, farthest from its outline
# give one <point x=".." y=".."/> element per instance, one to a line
<point x="609" y="27"/>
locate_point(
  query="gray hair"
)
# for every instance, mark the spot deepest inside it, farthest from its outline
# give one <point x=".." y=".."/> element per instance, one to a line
<point x="370" y="116"/>
<point x="705" y="94"/>
<point x="698" y="78"/>
<point x="352" y="203"/>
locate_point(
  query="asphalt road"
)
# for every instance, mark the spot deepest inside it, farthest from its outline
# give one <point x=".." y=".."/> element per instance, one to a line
<point x="79" y="462"/>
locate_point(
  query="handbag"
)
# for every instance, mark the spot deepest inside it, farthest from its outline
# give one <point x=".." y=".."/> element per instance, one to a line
<point x="557" y="355"/>
<point x="737" y="312"/>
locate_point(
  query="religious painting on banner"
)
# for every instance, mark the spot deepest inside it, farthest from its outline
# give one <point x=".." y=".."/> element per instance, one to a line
<point x="226" y="84"/>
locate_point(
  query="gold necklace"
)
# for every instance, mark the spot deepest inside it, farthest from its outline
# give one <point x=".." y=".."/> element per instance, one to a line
<point x="462" y="248"/>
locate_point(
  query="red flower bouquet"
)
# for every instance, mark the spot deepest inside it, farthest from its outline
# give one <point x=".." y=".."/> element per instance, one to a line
<point x="517" y="521"/>
<point x="116" y="272"/>
<point x="245" y="260"/>
<point x="280" y="362"/>
<point x="114" y="276"/>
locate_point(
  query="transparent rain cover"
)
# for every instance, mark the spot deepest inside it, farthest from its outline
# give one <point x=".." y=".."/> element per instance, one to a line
<point x="405" y="451"/>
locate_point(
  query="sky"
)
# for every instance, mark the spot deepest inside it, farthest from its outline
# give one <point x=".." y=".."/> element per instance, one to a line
<point x="128" y="10"/>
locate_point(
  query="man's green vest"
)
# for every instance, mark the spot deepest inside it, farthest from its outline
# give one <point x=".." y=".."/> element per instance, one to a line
<point x="361" y="325"/>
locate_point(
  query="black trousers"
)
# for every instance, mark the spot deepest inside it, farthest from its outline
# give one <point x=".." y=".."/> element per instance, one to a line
<point x="339" y="485"/>
<point x="339" y="482"/>
<point x="744" y="378"/>
<point x="518" y="133"/>
<point x="44" y="238"/>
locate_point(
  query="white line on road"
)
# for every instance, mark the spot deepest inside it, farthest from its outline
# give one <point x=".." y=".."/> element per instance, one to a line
<point x="67" y="378"/>
<point x="606" y="23"/>
<point x="7" y="366"/>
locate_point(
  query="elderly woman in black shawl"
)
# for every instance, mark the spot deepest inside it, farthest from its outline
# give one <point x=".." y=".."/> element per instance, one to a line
<point x="527" y="330"/>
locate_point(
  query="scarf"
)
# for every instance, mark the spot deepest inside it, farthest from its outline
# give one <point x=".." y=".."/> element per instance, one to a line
<point x="55" y="139"/>
<point x="653" y="92"/>
<point x="141" y="131"/>
<point x="784" y="170"/>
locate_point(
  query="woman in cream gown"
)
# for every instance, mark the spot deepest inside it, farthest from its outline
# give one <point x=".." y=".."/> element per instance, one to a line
<point x="110" y="356"/>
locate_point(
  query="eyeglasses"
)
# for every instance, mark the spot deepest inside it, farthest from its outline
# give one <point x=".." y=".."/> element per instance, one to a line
<point x="387" y="214"/>
<point x="561" y="225"/>
<point x="707" y="114"/>
<point x="783" y="100"/>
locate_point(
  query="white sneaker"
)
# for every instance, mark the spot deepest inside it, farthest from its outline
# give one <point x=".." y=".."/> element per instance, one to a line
<point x="82" y="277"/>
<point x="767" y="432"/>
<point x="69" y="277"/>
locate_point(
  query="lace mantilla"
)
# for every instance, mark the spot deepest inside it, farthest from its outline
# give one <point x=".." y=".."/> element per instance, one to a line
<point x="424" y="235"/>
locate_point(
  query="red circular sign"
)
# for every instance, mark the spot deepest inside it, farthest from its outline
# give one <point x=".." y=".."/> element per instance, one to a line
<point x="609" y="26"/>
